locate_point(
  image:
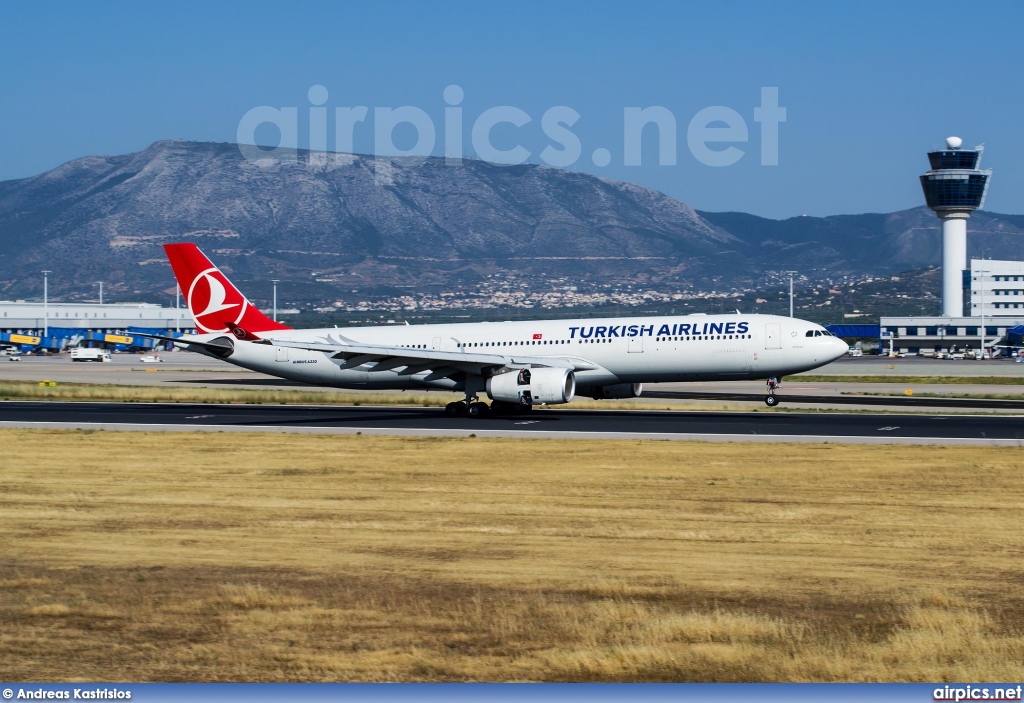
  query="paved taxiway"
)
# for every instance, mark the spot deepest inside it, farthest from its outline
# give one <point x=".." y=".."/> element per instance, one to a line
<point x="182" y="369"/>
<point x="765" y="426"/>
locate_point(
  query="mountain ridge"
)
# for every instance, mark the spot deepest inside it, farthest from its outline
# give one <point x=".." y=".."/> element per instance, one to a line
<point x="327" y="225"/>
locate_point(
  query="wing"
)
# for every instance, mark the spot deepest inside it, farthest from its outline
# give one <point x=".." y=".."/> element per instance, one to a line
<point x="441" y="364"/>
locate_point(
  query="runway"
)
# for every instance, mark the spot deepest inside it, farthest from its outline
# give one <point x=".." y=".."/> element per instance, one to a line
<point x="931" y="393"/>
<point x="591" y="424"/>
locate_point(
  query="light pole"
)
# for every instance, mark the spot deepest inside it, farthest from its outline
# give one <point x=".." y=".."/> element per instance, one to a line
<point x="101" y="292"/>
<point x="275" y="281"/>
<point x="177" y="308"/>
<point x="791" y="292"/>
<point x="46" y="303"/>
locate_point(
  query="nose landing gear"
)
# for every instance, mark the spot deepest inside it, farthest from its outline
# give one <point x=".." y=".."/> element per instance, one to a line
<point x="771" y="400"/>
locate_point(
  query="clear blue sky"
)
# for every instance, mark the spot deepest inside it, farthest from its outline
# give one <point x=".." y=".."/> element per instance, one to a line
<point x="868" y="87"/>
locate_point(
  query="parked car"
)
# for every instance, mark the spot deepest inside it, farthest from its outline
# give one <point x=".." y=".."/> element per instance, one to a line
<point x="150" y="359"/>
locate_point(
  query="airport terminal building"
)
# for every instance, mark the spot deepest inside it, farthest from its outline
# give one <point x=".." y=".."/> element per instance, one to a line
<point x="995" y="301"/>
<point x="55" y="326"/>
<point x="992" y="311"/>
<point x="914" y="335"/>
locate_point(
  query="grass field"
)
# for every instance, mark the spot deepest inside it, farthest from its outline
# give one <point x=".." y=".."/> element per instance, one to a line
<point x="934" y="380"/>
<point x="137" y="557"/>
<point x="31" y="390"/>
<point x="969" y="396"/>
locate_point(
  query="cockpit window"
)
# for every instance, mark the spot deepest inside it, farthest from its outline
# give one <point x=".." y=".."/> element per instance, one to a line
<point x="810" y="333"/>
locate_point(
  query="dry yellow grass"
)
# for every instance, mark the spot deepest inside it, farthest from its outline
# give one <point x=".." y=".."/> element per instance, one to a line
<point x="29" y="390"/>
<point x="276" y="557"/>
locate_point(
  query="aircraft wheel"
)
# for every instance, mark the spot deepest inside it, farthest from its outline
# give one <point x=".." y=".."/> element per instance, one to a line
<point x="455" y="409"/>
<point x="477" y="410"/>
<point x="771" y="401"/>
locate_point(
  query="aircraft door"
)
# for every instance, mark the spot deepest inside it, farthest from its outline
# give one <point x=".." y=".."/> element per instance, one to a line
<point x="435" y="343"/>
<point x="636" y="345"/>
<point x="773" y="336"/>
<point x="282" y="353"/>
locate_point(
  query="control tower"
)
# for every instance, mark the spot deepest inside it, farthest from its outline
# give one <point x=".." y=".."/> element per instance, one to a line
<point x="954" y="188"/>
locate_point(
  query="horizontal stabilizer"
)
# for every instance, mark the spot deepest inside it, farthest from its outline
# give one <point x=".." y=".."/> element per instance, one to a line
<point x="222" y="347"/>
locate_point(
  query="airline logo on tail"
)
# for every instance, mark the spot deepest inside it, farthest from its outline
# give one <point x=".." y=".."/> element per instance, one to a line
<point x="216" y="305"/>
<point x="211" y="303"/>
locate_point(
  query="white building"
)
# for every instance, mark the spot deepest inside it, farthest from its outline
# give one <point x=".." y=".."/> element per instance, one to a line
<point x="996" y="300"/>
<point x="999" y="286"/>
<point x="26" y="316"/>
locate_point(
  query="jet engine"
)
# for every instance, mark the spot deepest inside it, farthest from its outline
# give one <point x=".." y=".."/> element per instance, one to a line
<point x="619" y="390"/>
<point x="529" y="386"/>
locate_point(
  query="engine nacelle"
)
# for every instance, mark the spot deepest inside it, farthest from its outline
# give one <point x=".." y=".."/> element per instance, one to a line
<point x="531" y="386"/>
<point x="619" y="390"/>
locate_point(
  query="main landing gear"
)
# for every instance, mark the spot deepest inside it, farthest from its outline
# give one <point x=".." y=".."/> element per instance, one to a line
<point x="771" y="400"/>
<point x="470" y="407"/>
<point x="474" y="408"/>
<point x="456" y="409"/>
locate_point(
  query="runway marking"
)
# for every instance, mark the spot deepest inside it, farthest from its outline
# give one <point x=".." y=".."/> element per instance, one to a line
<point x="890" y="428"/>
<point x="527" y="422"/>
<point x="194" y="417"/>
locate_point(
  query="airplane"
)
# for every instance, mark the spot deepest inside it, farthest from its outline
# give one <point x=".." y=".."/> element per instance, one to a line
<point x="516" y="365"/>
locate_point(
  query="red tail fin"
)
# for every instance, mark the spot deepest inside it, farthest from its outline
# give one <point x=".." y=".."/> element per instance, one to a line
<point x="216" y="305"/>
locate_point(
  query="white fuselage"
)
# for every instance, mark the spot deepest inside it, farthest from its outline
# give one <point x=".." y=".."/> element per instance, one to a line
<point x="607" y="351"/>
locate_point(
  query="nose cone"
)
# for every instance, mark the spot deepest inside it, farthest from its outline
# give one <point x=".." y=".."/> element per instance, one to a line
<point x="840" y="348"/>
